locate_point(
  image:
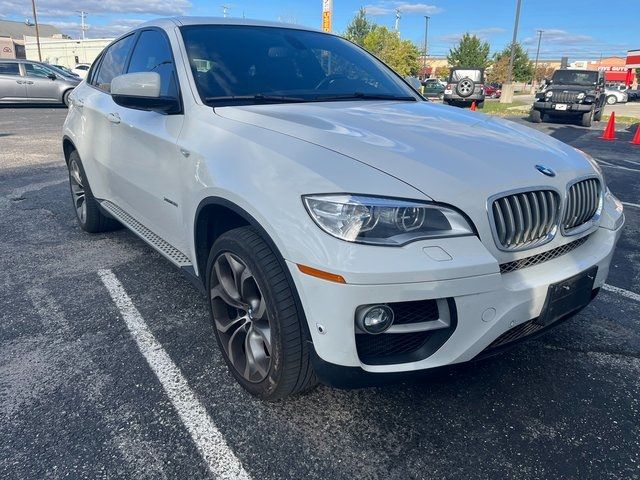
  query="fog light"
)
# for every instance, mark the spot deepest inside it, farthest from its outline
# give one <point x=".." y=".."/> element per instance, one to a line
<point x="374" y="319"/>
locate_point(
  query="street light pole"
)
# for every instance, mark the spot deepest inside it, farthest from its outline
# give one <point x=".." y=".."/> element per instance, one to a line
<point x="535" y="65"/>
<point x="426" y="43"/>
<point x="507" y="92"/>
<point x="35" y="20"/>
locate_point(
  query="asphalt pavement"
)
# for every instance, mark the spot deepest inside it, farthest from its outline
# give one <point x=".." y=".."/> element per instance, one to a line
<point x="82" y="397"/>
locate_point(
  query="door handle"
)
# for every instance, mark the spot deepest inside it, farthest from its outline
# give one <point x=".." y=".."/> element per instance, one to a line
<point x="113" y="118"/>
<point x="28" y="82"/>
<point x="78" y="103"/>
<point x="19" y="82"/>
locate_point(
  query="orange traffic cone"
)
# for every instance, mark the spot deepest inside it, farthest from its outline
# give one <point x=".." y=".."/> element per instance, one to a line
<point x="636" y="137"/>
<point x="473" y="106"/>
<point x="610" y="131"/>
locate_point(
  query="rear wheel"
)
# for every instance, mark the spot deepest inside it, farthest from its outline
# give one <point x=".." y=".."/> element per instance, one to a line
<point x="257" y="323"/>
<point x="612" y="100"/>
<point x="88" y="213"/>
<point x="535" y="116"/>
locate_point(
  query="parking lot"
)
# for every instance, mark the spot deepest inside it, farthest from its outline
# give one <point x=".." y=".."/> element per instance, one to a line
<point x="79" y="399"/>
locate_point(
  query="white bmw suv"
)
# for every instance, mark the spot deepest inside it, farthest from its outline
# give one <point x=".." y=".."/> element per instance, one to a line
<point x="343" y="228"/>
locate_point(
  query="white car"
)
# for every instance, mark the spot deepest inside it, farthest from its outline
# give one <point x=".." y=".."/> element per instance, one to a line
<point x="81" y="69"/>
<point x="615" y="95"/>
<point x="342" y="228"/>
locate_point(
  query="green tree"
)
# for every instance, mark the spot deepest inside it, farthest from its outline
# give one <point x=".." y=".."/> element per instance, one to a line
<point x="471" y="52"/>
<point x="522" y="65"/>
<point x="401" y="55"/>
<point x="359" y="27"/>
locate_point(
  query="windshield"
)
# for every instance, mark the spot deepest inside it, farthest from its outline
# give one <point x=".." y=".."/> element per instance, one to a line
<point x="250" y="64"/>
<point x="573" y="77"/>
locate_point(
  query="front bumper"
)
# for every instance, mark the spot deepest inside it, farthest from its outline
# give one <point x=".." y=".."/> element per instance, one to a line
<point x="486" y="306"/>
<point x="571" y="108"/>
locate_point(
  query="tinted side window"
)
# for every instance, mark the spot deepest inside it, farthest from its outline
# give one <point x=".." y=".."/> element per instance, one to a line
<point x="112" y="64"/>
<point x="9" y="69"/>
<point x="35" y="70"/>
<point x="152" y="53"/>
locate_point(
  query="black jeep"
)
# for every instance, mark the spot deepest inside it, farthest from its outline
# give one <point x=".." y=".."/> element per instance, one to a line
<point x="576" y="93"/>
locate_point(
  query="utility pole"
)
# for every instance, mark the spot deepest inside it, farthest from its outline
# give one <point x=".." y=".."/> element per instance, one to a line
<point x="426" y="44"/>
<point x="398" y="17"/>
<point x="35" y="20"/>
<point x="535" y="65"/>
<point x="225" y="10"/>
<point x="507" y="90"/>
<point x="83" y="25"/>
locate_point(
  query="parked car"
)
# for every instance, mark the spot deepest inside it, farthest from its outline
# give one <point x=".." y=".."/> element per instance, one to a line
<point x="492" y="91"/>
<point x="340" y="227"/>
<point x="576" y="93"/>
<point x="615" y="95"/>
<point x="634" y="95"/>
<point x="464" y="87"/>
<point x="26" y="81"/>
<point x="433" y="88"/>
<point x="81" y="69"/>
<point x="64" y="70"/>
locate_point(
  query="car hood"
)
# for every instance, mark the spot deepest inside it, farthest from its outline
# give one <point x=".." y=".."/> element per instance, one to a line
<point x="449" y="154"/>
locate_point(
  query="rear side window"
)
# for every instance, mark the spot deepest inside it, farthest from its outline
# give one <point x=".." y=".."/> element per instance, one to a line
<point x="9" y="69"/>
<point x="35" y="70"/>
<point x="152" y="53"/>
<point x="113" y="63"/>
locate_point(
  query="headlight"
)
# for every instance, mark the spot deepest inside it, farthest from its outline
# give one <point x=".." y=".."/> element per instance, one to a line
<point x="384" y="221"/>
<point x="581" y="95"/>
<point x="549" y="94"/>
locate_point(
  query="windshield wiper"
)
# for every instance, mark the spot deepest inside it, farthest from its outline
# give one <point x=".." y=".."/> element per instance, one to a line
<point x="258" y="98"/>
<point x="366" y="96"/>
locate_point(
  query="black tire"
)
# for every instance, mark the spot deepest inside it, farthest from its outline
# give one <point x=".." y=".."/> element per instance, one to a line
<point x="65" y="98"/>
<point x="480" y="104"/>
<point x="598" y="115"/>
<point x="440" y="96"/>
<point x="587" y="119"/>
<point x="612" y="100"/>
<point x="92" y="220"/>
<point x="535" y="116"/>
<point x="290" y="371"/>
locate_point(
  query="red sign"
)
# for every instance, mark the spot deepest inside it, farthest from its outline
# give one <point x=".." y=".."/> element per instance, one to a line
<point x="633" y="59"/>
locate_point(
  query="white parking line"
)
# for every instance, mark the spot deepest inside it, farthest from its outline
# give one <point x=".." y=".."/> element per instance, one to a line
<point x="221" y="461"/>
<point x="628" y="204"/>
<point x="32" y="187"/>
<point x="622" y="291"/>
<point x="619" y="167"/>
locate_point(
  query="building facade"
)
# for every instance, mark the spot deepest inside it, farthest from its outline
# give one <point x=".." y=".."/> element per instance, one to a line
<point x="65" y="51"/>
<point x="12" y="35"/>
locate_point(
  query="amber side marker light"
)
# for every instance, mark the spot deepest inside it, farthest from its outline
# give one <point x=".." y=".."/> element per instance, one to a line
<point x="314" y="272"/>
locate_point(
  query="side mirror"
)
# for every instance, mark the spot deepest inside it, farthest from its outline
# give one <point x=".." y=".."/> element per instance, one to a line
<point x="414" y="82"/>
<point x="52" y="76"/>
<point x="141" y="91"/>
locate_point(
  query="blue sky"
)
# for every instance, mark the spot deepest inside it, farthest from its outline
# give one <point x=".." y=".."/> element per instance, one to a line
<point x="580" y="29"/>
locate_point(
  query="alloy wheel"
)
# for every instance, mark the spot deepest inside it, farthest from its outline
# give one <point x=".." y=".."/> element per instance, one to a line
<point x="78" y="193"/>
<point x="240" y="316"/>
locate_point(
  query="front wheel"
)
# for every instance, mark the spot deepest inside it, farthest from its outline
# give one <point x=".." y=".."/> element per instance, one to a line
<point x="587" y="119"/>
<point x="612" y="100"/>
<point x="535" y="116"/>
<point x="598" y="116"/>
<point x="65" y="98"/>
<point x="258" y="325"/>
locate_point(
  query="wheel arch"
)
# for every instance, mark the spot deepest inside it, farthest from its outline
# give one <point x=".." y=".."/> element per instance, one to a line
<point x="67" y="147"/>
<point x="215" y="216"/>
